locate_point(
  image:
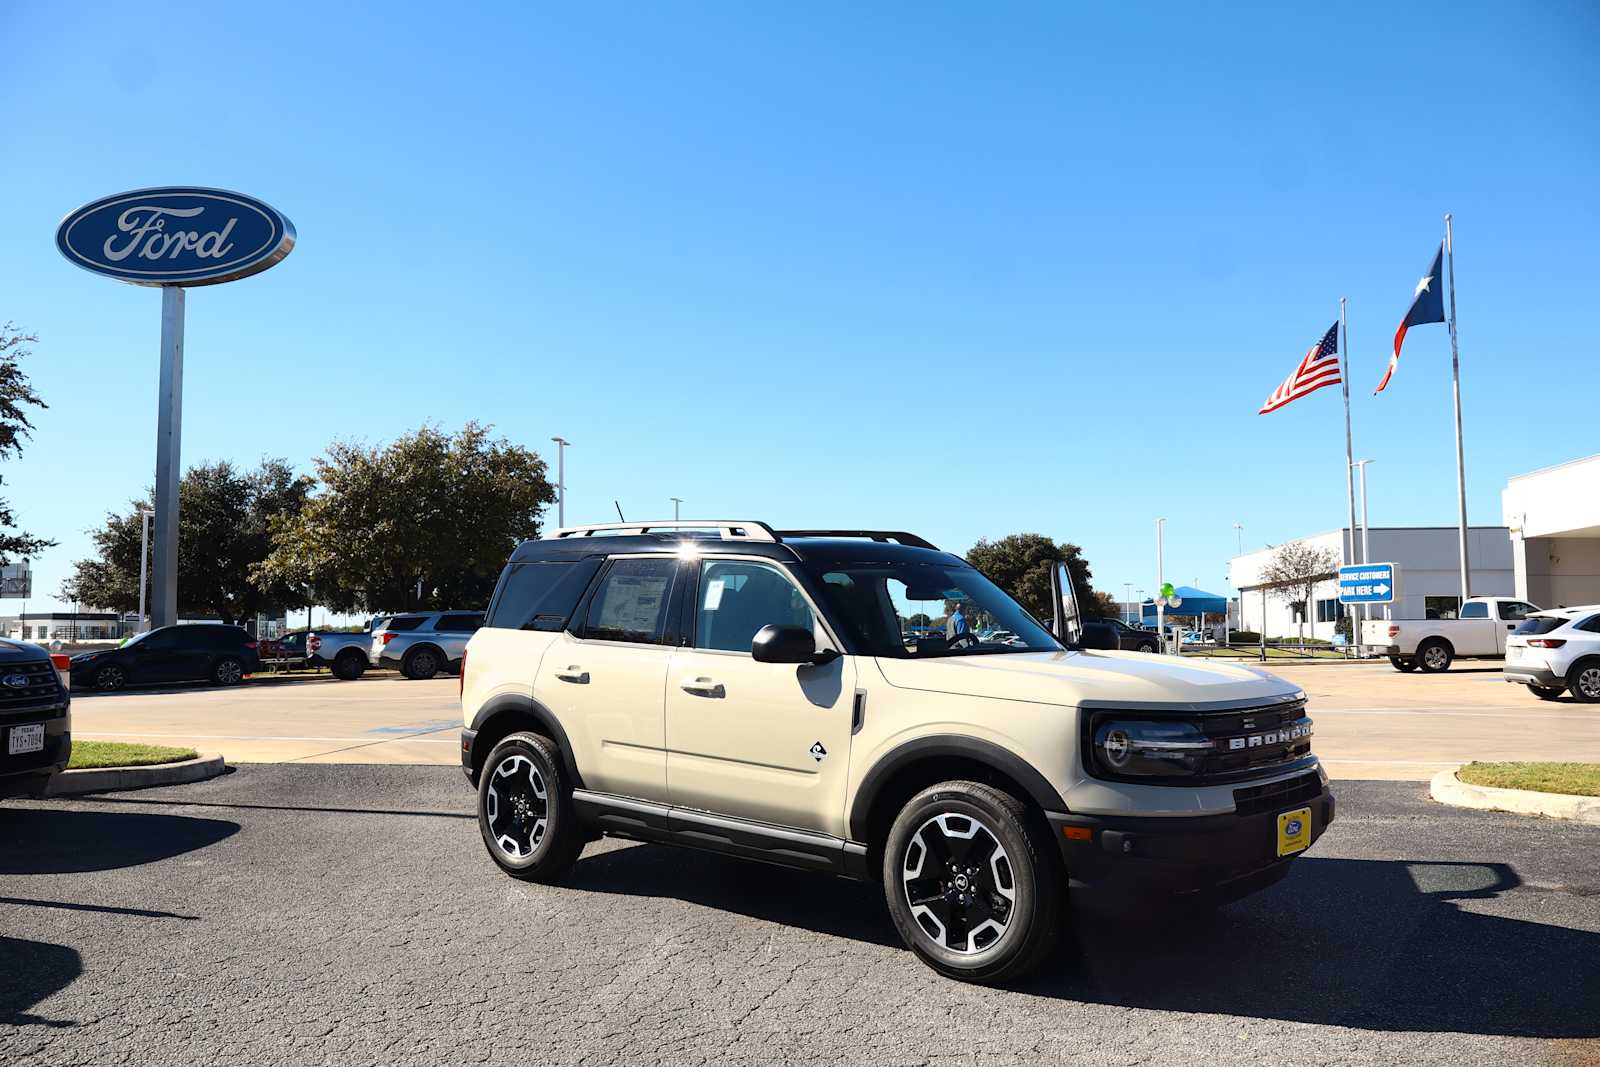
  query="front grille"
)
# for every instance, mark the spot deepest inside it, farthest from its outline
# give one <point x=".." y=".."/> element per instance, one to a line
<point x="1255" y="799"/>
<point x="40" y="693"/>
<point x="1252" y="730"/>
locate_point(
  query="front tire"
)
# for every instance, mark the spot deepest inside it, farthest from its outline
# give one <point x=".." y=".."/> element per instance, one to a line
<point x="1434" y="657"/>
<point x="349" y="666"/>
<point x="422" y="664"/>
<point x="971" y="884"/>
<point x="1547" y="692"/>
<point x="1146" y="647"/>
<point x="525" y="811"/>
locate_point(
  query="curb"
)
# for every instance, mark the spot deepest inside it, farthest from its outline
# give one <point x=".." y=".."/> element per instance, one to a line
<point x="113" y="779"/>
<point x="1446" y="788"/>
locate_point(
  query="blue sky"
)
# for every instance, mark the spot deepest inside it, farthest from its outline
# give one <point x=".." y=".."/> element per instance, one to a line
<point x="959" y="269"/>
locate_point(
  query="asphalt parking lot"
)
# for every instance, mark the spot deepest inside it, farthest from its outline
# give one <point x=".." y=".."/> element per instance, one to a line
<point x="347" y="915"/>
<point x="1371" y="721"/>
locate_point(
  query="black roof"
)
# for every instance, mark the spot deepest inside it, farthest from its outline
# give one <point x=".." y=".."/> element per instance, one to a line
<point x="812" y="549"/>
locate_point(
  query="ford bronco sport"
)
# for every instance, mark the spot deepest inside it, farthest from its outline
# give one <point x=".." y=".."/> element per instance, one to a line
<point x="807" y="698"/>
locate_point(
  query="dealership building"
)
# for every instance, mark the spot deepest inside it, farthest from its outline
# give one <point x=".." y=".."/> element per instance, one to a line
<point x="1554" y="519"/>
<point x="1426" y="558"/>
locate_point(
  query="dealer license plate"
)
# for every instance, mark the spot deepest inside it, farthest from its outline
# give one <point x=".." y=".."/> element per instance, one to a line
<point x="1294" y="831"/>
<point x="28" y="738"/>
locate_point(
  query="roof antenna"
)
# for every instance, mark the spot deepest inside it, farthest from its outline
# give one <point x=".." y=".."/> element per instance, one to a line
<point x="619" y="511"/>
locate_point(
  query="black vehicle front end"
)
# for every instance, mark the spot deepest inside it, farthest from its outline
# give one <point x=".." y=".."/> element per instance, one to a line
<point x="35" y="720"/>
<point x="1208" y="804"/>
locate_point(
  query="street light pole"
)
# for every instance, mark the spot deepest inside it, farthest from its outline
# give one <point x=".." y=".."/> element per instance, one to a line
<point x="1127" y="589"/>
<point x="1161" y="581"/>
<point x="676" y="500"/>
<point x="144" y="561"/>
<point x="561" y="480"/>
<point x="1366" y="547"/>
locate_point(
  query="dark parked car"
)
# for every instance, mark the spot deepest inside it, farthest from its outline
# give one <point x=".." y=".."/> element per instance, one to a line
<point x="1133" y="639"/>
<point x="196" y="652"/>
<point x="35" y="720"/>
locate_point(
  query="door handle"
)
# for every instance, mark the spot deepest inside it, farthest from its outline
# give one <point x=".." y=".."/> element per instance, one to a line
<point x="704" y="687"/>
<point x="574" y="674"/>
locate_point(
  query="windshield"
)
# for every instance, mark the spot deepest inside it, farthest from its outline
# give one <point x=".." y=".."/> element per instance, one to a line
<point x="913" y="610"/>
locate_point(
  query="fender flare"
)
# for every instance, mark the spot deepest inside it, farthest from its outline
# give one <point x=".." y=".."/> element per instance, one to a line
<point x="516" y="705"/>
<point x="991" y="755"/>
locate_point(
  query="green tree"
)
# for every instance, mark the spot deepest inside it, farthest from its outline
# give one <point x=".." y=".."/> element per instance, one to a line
<point x="1020" y="564"/>
<point x="225" y="518"/>
<point x="16" y="396"/>
<point x="432" y="508"/>
<point x="1293" y="571"/>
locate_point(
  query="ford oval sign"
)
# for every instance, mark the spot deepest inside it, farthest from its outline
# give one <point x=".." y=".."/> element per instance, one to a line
<point x="175" y="236"/>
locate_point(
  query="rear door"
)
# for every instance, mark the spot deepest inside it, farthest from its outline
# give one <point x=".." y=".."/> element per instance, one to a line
<point x="603" y="677"/>
<point x="762" y="741"/>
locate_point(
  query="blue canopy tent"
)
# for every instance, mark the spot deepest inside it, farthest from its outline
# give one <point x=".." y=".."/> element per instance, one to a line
<point x="1196" y="602"/>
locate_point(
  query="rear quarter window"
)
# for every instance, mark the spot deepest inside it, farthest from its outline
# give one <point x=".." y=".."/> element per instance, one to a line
<point x="540" y="596"/>
<point x="402" y="623"/>
<point x="1538" y="625"/>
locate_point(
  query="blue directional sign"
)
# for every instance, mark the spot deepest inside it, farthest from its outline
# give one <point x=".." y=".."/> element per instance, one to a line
<point x="1368" y="583"/>
<point x="177" y="235"/>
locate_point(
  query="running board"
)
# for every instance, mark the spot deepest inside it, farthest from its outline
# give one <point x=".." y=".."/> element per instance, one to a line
<point x="643" y="820"/>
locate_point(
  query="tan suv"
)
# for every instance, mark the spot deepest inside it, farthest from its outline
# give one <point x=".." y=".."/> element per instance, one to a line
<point x="825" y="699"/>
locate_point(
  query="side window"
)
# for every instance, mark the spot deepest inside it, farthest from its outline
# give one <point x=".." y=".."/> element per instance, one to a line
<point x="631" y="603"/>
<point x="1590" y="625"/>
<point x="737" y="599"/>
<point x="463" y="623"/>
<point x="540" y="596"/>
<point x="1475" y="611"/>
<point x="160" y="642"/>
<point x="1440" y="607"/>
<point x="1515" y="610"/>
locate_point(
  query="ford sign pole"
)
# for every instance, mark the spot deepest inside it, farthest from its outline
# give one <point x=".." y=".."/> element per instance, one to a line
<point x="169" y="434"/>
<point x="173" y="237"/>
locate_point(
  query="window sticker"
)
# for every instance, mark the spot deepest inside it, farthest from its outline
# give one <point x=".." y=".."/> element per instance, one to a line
<point x="714" y="594"/>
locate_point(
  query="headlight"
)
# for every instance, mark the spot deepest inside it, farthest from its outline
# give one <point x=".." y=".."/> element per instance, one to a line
<point x="1146" y="748"/>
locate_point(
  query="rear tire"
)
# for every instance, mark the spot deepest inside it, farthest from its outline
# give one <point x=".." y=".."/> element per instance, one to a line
<point x="1403" y="663"/>
<point x="525" y="810"/>
<point x="1547" y="692"/>
<point x="110" y="678"/>
<point x="1434" y="656"/>
<point x="349" y="666"/>
<point x="422" y="664"/>
<point x="1583" y="681"/>
<point x="971" y="883"/>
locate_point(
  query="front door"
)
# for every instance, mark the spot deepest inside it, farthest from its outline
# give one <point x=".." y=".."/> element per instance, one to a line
<point x="603" y="679"/>
<point x="762" y="741"/>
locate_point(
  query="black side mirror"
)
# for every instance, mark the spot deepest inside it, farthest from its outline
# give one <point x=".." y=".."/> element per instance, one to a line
<point x="1098" y="635"/>
<point x="787" y="644"/>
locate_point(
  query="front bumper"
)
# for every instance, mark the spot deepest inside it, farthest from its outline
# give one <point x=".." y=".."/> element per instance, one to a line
<point x="28" y="774"/>
<point x="1217" y="856"/>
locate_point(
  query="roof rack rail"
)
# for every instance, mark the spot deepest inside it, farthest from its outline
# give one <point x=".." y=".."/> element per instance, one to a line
<point x="728" y="529"/>
<point x="885" y="536"/>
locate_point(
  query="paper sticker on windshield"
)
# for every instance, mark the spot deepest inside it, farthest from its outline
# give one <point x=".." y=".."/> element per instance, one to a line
<point x="713" y="594"/>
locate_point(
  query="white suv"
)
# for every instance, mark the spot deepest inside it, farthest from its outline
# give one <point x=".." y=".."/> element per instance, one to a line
<point x="1557" y="650"/>
<point x="807" y="698"/>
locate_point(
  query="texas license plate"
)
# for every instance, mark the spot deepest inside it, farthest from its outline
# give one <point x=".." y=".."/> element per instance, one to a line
<point x="28" y="738"/>
<point x="1294" y="831"/>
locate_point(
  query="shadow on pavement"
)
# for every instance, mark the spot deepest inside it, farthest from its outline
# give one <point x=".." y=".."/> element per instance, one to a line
<point x="1378" y="945"/>
<point x="63" y="841"/>
<point x="30" y="971"/>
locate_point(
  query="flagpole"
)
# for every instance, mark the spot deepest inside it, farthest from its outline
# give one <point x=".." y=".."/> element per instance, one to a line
<point x="1455" y="374"/>
<point x="1349" y="448"/>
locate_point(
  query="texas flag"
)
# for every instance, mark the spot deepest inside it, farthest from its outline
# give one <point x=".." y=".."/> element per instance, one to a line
<point x="1427" y="305"/>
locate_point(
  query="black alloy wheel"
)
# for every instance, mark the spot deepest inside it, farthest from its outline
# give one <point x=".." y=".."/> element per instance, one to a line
<point x="110" y="678"/>
<point x="971" y="883"/>
<point x="422" y="664"/>
<point x="525" y="811"/>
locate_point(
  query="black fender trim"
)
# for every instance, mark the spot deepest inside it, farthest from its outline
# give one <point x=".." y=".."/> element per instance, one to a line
<point x="516" y="705"/>
<point x="987" y="753"/>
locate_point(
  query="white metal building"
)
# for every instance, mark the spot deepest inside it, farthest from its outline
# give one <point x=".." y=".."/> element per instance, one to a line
<point x="1554" y="518"/>
<point x="1429" y="565"/>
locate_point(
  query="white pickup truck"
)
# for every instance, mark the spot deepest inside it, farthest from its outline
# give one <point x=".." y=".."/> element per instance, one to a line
<point x="1433" y="644"/>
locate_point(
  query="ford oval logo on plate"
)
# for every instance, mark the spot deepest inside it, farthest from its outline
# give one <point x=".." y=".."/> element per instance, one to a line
<point x="179" y="235"/>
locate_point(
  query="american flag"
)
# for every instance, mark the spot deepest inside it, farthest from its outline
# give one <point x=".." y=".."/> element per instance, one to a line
<point x="1319" y="367"/>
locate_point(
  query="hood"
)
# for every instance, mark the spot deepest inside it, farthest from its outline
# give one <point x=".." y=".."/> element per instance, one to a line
<point x="1076" y="678"/>
<point x="21" y="652"/>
